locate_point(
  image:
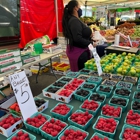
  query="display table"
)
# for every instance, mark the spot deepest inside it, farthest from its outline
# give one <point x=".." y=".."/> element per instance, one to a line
<point x="76" y="105"/>
<point x="111" y="49"/>
<point x="43" y="57"/>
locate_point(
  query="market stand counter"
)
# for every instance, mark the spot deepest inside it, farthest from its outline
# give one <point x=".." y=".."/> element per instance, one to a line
<point x="76" y="104"/>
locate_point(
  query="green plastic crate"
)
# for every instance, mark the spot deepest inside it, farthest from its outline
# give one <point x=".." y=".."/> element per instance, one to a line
<point x="59" y="116"/>
<point x="72" y="74"/>
<point x="32" y="137"/>
<point x="138" y="87"/>
<point x="122" y="95"/>
<point x="100" y="136"/>
<point x="108" y="134"/>
<point x="91" y="111"/>
<point x="94" y="79"/>
<point x="133" y="98"/>
<point x="50" y="137"/>
<point x="138" y="111"/>
<point x="74" y="128"/>
<point x="32" y="128"/>
<point x="95" y="85"/>
<point x="84" y="127"/>
<point x="123" y="107"/>
<point x="121" y="84"/>
<point x="83" y="72"/>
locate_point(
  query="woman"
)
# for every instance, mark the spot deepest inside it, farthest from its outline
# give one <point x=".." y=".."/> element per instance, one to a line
<point x="78" y="35"/>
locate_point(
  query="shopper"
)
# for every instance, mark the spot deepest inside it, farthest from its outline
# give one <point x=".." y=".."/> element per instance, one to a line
<point x="78" y="36"/>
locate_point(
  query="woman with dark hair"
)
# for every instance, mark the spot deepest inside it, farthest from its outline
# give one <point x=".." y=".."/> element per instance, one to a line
<point x="78" y="36"/>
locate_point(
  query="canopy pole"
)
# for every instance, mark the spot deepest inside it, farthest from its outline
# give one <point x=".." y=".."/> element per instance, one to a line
<point x="56" y="10"/>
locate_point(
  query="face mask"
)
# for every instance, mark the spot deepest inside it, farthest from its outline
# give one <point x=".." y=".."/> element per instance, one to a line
<point x="79" y="12"/>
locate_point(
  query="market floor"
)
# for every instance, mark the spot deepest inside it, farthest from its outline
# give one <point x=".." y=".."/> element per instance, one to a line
<point x="44" y="80"/>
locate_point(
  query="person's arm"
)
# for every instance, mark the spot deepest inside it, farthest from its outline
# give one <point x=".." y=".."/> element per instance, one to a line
<point x="76" y="31"/>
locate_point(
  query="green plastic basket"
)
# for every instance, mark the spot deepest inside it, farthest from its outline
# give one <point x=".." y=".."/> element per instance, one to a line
<point x="73" y="128"/>
<point x="122" y="95"/>
<point x="138" y="111"/>
<point x="133" y="98"/>
<point x="103" y="102"/>
<point x="32" y="128"/>
<point x="138" y="87"/>
<point x="72" y="74"/>
<point x="85" y="71"/>
<point x="50" y="137"/>
<point x="81" y="98"/>
<point x="123" y="107"/>
<point x="117" y="118"/>
<point x="128" y="123"/>
<point x="32" y="137"/>
<point x="59" y="116"/>
<point x="100" y="136"/>
<point x="123" y="129"/>
<point x="84" y="127"/>
<point x="62" y="79"/>
<point x="108" y="134"/>
<point x="94" y="79"/>
<point x="91" y="111"/>
<point x="121" y="84"/>
<point x="108" y="94"/>
<point x="93" y="89"/>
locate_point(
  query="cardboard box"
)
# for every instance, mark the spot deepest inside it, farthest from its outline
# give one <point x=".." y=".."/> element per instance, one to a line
<point x="9" y="53"/>
<point x="11" y="130"/>
<point x="11" y="67"/>
<point x="30" y="59"/>
<point x="64" y="98"/>
<point x="43" y="106"/>
<point x="52" y="48"/>
<point x="10" y="61"/>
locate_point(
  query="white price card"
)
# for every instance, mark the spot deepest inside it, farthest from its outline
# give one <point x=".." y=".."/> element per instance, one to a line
<point x="97" y="59"/>
<point x="22" y="91"/>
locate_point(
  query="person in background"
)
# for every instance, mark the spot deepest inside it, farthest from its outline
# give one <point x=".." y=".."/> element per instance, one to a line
<point x="78" y="36"/>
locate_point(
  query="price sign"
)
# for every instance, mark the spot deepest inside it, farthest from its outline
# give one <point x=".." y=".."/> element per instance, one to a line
<point x="97" y="59"/>
<point x="21" y="88"/>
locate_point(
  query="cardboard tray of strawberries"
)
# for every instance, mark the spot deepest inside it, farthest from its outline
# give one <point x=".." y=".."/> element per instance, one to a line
<point x="73" y="132"/>
<point x="119" y="101"/>
<point x="22" y="134"/>
<point x="52" y="129"/>
<point x="36" y="121"/>
<point x="126" y="130"/>
<point x="90" y="106"/>
<point x="80" y="122"/>
<point x="61" y="111"/>
<point x="111" y="112"/>
<point x="97" y="136"/>
<point x="110" y="130"/>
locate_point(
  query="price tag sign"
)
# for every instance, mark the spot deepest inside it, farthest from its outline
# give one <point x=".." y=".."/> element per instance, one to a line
<point x="97" y="58"/>
<point x="21" y="88"/>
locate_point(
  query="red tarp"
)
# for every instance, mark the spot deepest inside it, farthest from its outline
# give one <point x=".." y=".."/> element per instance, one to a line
<point x="38" y="18"/>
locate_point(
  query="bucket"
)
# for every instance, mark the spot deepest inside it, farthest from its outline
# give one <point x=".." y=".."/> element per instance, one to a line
<point x="38" y="48"/>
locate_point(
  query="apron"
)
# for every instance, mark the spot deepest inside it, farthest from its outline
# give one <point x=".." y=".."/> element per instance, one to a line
<point x="73" y="54"/>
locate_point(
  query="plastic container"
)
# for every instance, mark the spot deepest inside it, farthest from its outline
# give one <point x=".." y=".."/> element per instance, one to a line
<point x="136" y="92"/>
<point x="85" y="71"/>
<point x="122" y="95"/>
<point x="33" y="128"/>
<point x="138" y="111"/>
<point x="100" y="136"/>
<point x="123" y="129"/>
<point x="63" y="67"/>
<point x="108" y="134"/>
<point x="81" y="98"/>
<point x="84" y="127"/>
<point x="94" y="79"/>
<point x="60" y="86"/>
<point x="103" y="102"/>
<point x="138" y="87"/>
<point x="74" y="128"/>
<point x="139" y="80"/>
<point x="72" y="74"/>
<point x="128" y="123"/>
<point x="59" y="116"/>
<point x="50" y="137"/>
<point x="123" y="107"/>
<point x="93" y="89"/>
<point x="32" y="137"/>
<point x="38" y="48"/>
<point x="108" y="94"/>
<point x="63" y="79"/>
<point x="91" y="111"/>
<point x="122" y="84"/>
<point x="83" y="77"/>
<point x="117" y="118"/>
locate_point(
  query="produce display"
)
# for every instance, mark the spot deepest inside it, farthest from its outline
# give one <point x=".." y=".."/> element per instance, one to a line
<point x="97" y="97"/>
<point x="136" y="105"/>
<point x="118" y="101"/>
<point x="122" y="92"/>
<point x="137" y="95"/>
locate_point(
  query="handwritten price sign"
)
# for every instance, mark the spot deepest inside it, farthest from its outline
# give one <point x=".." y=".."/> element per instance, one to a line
<point x="21" y="88"/>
